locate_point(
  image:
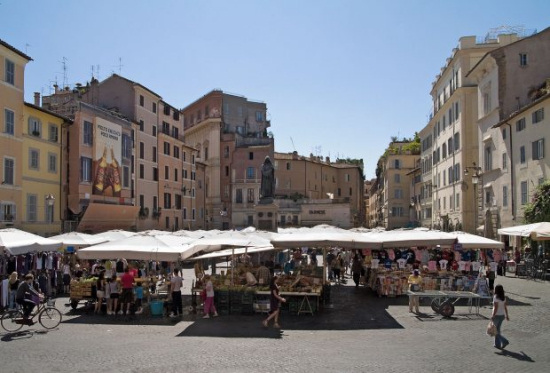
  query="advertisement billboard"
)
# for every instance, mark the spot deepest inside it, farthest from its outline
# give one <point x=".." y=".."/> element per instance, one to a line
<point x="107" y="158"/>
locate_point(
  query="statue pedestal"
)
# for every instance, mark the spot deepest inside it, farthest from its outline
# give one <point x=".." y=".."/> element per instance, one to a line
<point x="265" y="215"/>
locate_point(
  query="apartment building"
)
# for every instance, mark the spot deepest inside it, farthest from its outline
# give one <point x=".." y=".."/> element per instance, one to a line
<point x="449" y="197"/>
<point x="513" y="86"/>
<point x="230" y="135"/>
<point x="43" y="201"/>
<point x="12" y="85"/>
<point x="312" y="190"/>
<point x="393" y="200"/>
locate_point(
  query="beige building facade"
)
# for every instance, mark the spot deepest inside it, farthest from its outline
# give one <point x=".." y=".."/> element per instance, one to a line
<point x="513" y="86"/>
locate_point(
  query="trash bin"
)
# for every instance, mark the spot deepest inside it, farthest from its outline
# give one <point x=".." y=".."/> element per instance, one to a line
<point x="157" y="308"/>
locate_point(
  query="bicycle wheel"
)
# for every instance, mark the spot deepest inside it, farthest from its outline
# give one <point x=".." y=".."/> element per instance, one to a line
<point x="12" y="320"/>
<point x="50" y="317"/>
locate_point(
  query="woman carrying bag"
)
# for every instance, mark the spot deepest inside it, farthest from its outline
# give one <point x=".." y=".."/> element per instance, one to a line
<point x="500" y="311"/>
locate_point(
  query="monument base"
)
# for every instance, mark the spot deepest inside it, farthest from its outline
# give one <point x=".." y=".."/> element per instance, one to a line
<point x="265" y="215"/>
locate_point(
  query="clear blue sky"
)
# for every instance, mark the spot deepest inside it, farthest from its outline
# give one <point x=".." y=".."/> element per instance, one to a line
<point x="340" y="78"/>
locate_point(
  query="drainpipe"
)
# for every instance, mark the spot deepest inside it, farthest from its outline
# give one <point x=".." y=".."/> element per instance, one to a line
<point x="512" y="193"/>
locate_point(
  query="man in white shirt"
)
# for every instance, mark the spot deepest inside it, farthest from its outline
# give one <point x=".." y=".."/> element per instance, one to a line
<point x="176" y="282"/>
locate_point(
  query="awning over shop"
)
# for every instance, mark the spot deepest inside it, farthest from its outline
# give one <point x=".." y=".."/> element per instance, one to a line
<point x="100" y="217"/>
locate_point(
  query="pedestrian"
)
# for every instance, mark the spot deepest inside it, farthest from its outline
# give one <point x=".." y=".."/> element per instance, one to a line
<point x="127" y="295"/>
<point x="263" y="274"/>
<point x="209" y="300"/>
<point x="66" y="277"/>
<point x="491" y="278"/>
<point x="313" y="258"/>
<point x="114" y="294"/>
<point x="176" y="282"/>
<point x="100" y="291"/>
<point x="13" y="284"/>
<point x="139" y="298"/>
<point x="415" y="285"/>
<point x="337" y="265"/>
<point x="500" y="311"/>
<point x="330" y="258"/>
<point x="274" y="300"/>
<point x="356" y="269"/>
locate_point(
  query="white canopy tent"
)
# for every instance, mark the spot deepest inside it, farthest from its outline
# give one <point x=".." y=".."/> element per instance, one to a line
<point x="413" y="237"/>
<point x="78" y="239"/>
<point x="537" y="231"/>
<point x="231" y="252"/>
<point x="323" y="236"/>
<point x="114" y="234"/>
<point x="142" y="246"/>
<point x="18" y="242"/>
<point x="472" y="241"/>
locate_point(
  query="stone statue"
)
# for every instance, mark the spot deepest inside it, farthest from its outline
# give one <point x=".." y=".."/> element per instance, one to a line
<point x="267" y="188"/>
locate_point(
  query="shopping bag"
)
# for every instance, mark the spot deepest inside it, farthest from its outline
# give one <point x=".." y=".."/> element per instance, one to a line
<point x="491" y="329"/>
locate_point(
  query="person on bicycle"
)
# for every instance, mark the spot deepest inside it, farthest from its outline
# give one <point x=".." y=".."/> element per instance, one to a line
<point x="25" y="295"/>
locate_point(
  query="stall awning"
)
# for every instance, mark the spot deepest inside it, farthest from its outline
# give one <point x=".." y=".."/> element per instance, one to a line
<point x="101" y="217"/>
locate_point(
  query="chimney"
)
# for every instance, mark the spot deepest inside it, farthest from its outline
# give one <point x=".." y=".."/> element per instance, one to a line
<point x="37" y="98"/>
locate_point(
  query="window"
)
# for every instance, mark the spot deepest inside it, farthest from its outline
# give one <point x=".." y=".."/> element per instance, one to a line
<point x="155" y="174"/>
<point x="177" y="201"/>
<point x="166" y="148"/>
<point x="155" y="203"/>
<point x="31" y="207"/>
<point x="397" y="178"/>
<point x="193" y="213"/>
<point x="398" y="193"/>
<point x="397" y="211"/>
<point x="239" y="196"/>
<point x="457" y="172"/>
<point x="9" y="121"/>
<point x="52" y="162"/>
<point x="176" y="152"/>
<point x="199" y="115"/>
<point x="176" y="115"/>
<point x="226" y="109"/>
<point x="488" y="158"/>
<point x="154" y="107"/>
<point x="35" y="127"/>
<point x="259" y="116"/>
<point x="444" y="151"/>
<point x="250" y="155"/>
<point x="538" y="116"/>
<point x="10" y="72"/>
<point x="504" y="134"/>
<point x="166" y="173"/>
<point x="457" y="200"/>
<point x="522" y="154"/>
<point x="457" y="141"/>
<point x="141" y="150"/>
<point x="141" y="100"/>
<point x="396" y="164"/>
<point x="523" y="59"/>
<point x="184" y="173"/>
<point x="167" y="222"/>
<point x="538" y="149"/>
<point x="141" y="171"/>
<point x="167" y="201"/>
<point x="450" y="146"/>
<point x="226" y="152"/>
<point x="166" y="110"/>
<point x="141" y="125"/>
<point x="520" y="125"/>
<point x="250" y="195"/>
<point x="250" y="173"/>
<point x="288" y="165"/>
<point x="226" y="170"/>
<point x="504" y="161"/>
<point x="486" y="103"/>
<point x="175" y="132"/>
<point x="7" y="211"/>
<point x="87" y="133"/>
<point x="34" y="159"/>
<point x="155" y="131"/>
<point x="53" y="133"/>
<point x="524" y="192"/>
<point x="154" y="153"/>
<point x="9" y="171"/>
<point x="125" y="176"/>
<point x="85" y="169"/>
<point x="126" y="146"/>
<point x="206" y="111"/>
<point x="206" y="153"/>
<point x="226" y="191"/>
<point x="504" y="196"/>
<point x="175" y="174"/>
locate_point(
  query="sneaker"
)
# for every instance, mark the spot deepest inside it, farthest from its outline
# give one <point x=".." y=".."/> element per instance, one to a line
<point x="206" y="317"/>
<point x="504" y="345"/>
<point x="216" y="314"/>
<point x="120" y="312"/>
<point x="172" y="315"/>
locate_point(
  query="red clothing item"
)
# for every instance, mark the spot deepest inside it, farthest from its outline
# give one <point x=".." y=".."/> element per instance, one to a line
<point x="127" y="281"/>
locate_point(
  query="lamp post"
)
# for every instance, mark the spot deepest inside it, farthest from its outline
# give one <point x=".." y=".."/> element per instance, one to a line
<point x="476" y="176"/>
<point x="50" y="201"/>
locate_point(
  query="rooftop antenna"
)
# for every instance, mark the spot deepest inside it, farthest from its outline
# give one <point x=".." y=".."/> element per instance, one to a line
<point x="27" y="45"/>
<point x="64" y="72"/>
<point x="293" y="143"/>
<point x="120" y="66"/>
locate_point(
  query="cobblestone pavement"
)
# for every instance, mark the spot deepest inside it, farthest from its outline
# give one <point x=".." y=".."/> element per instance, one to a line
<point x="357" y="332"/>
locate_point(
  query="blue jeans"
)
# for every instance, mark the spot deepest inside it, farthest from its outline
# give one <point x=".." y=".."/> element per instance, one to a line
<point x="500" y="341"/>
<point x="12" y="295"/>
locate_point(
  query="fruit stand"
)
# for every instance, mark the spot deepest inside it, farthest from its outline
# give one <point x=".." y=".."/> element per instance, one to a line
<point x="82" y="290"/>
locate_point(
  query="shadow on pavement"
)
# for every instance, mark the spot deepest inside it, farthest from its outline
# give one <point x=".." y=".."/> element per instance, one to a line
<point x="516" y="355"/>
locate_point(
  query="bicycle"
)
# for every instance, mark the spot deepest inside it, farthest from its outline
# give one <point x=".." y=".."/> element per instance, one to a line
<point x="48" y="316"/>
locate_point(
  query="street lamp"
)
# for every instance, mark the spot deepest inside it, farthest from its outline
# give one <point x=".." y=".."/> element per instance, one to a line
<point x="476" y="176"/>
<point x="50" y="201"/>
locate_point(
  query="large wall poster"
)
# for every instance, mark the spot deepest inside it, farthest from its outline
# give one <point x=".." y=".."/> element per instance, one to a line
<point x="107" y="158"/>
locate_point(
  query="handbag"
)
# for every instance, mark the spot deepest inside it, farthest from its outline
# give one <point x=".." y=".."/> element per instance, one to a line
<point x="491" y="329"/>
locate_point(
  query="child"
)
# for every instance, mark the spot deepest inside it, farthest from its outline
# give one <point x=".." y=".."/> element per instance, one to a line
<point x="138" y="290"/>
